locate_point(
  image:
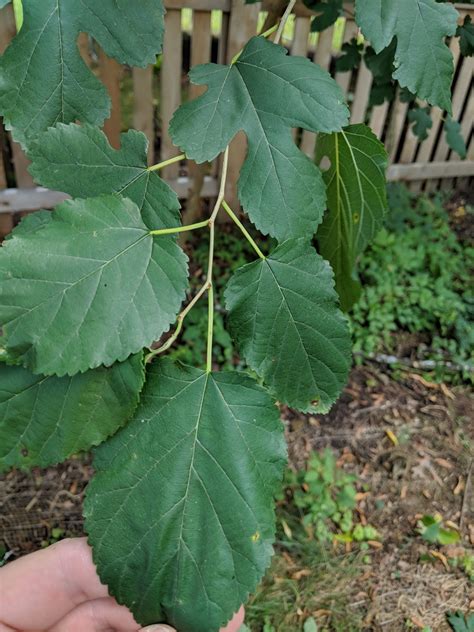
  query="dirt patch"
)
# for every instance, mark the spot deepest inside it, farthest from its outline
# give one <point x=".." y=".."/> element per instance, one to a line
<point x="410" y="443"/>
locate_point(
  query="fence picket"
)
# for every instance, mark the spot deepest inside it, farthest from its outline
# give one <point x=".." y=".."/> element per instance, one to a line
<point x="171" y="72"/>
<point x="143" y="109"/>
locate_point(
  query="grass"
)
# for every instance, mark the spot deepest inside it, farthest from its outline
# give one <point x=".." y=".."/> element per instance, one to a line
<point x="306" y="580"/>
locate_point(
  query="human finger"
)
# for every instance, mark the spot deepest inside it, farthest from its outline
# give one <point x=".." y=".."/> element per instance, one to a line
<point x="39" y="589"/>
<point x="100" y="615"/>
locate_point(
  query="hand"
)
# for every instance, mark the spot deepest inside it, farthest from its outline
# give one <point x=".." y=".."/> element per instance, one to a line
<point x="58" y="590"/>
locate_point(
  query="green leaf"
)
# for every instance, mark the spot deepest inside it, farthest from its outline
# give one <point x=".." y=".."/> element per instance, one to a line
<point x="283" y="313"/>
<point x="3" y="3"/>
<point x="180" y="514"/>
<point x="422" y="122"/>
<point x="357" y="202"/>
<point x="454" y="137"/>
<point x="44" y="79"/>
<point x="460" y="622"/>
<point x="43" y="420"/>
<point x="89" y="287"/>
<point x="265" y="93"/>
<point x="381" y="64"/>
<point x="465" y="33"/>
<point x="329" y="12"/>
<point x="79" y="160"/>
<point x="424" y="64"/>
<point x="351" y="57"/>
<point x="310" y="625"/>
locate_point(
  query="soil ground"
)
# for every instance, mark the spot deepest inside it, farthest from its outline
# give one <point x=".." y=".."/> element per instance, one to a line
<point x="409" y="441"/>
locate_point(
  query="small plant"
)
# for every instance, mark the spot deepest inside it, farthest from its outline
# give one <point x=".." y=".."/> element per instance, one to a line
<point x="431" y="530"/>
<point x="460" y="622"/>
<point x="326" y="496"/>
<point x="416" y="282"/>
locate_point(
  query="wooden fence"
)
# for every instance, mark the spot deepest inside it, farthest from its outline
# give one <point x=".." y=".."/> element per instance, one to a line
<point x="424" y="165"/>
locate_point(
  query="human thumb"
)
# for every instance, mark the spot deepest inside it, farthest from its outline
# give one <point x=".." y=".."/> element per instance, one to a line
<point x="160" y="627"/>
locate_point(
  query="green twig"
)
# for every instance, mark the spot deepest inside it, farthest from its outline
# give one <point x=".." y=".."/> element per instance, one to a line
<point x="165" y="163"/>
<point x="164" y="347"/>
<point x="212" y="221"/>
<point x="245" y="232"/>
<point x="283" y="21"/>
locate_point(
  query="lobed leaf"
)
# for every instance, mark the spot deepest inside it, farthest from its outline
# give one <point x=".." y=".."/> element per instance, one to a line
<point x="265" y="93"/>
<point x="45" y="80"/>
<point x="422" y="122"/>
<point x="88" y="287"/>
<point x="424" y="64"/>
<point x="46" y="419"/>
<point x="180" y="512"/>
<point x="283" y="313"/>
<point x="79" y="160"/>
<point x="329" y="12"/>
<point x="454" y="137"/>
<point x="357" y="202"/>
<point x="465" y="32"/>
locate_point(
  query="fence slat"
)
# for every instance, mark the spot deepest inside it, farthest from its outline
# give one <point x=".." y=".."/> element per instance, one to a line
<point x="242" y="25"/>
<point x="431" y="170"/>
<point x="200" y="54"/>
<point x="461" y="89"/>
<point x="110" y="72"/>
<point x="466" y="127"/>
<point x="344" y="78"/>
<point x="361" y="94"/>
<point x="322" y="56"/>
<point x="172" y="63"/>
<point x="143" y="111"/>
<point x="378" y="118"/>
<point x="397" y="122"/>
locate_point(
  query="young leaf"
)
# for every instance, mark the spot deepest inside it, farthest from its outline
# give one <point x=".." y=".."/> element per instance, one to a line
<point x="89" y="287"/>
<point x="283" y="313"/>
<point x="422" y="122"/>
<point x="454" y="137"/>
<point x="424" y="63"/>
<point x="265" y="93"/>
<point x="43" y="420"/>
<point x="465" y="33"/>
<point x="357" y="202"/>
<point x="180" y="512"/>
<point x="79" y="160"/>
<point x="329" y="12"/>
<point x="351" y="57"/>
<point x="44" y="79"/>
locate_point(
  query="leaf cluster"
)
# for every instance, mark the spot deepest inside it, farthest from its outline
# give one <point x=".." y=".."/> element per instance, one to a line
<point x="416" y="279"/>
<point x="180" y="511"/>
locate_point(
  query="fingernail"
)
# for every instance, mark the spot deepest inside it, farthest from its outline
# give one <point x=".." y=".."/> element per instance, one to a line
<point x="158" y="628"/>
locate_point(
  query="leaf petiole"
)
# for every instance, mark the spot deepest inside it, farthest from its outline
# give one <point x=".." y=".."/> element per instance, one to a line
<point x="266" y="33"/>
<point x="165" y="346"/>
<point x="165" y="163"/>
<point x="180" y="229"/>
<point x="244" y="231"/>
